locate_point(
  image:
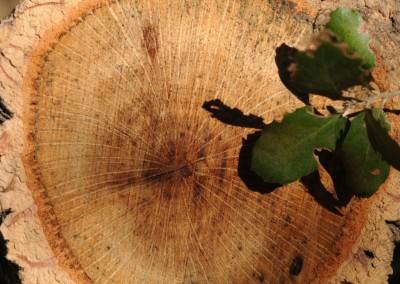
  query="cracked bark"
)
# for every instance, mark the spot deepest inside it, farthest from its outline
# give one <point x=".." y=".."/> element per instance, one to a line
<point x="369" y="257"/>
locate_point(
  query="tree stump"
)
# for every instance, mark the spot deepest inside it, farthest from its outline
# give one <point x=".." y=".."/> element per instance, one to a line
<point x="127" y="157"/>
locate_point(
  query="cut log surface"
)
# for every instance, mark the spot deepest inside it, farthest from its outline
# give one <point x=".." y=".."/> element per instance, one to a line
<point x="127" y="160"/>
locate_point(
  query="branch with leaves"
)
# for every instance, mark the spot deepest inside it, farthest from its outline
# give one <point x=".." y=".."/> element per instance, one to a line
<point x="337" y="59"/>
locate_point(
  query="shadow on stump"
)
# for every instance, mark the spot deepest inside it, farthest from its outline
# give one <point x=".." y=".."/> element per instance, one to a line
<point x="235" y="117"/>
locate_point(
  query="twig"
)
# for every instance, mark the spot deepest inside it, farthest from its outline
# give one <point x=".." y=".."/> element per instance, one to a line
<point x="380" y="96"/>
<point x="367" y="102"/>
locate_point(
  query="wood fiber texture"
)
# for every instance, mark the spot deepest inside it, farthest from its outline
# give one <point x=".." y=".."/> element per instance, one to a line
<point x="142" y="181"/>
<point x="135" y="117"/>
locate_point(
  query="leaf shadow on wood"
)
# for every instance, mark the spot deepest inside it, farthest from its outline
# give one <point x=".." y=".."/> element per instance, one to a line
<point x="283" y="60"/>
<point x="250" y="179"/>
<point x="394" y="111"/>
<point x="333" y="164"/>
<point x="235" y="117"/>
<point x="322" y="196"/>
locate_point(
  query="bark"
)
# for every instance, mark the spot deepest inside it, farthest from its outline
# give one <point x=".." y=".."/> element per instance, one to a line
<point x="126" y="157"/>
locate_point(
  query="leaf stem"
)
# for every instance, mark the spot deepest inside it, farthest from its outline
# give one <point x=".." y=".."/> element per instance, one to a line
<point x="367" y="102"/>
<point x="380" y="96"/>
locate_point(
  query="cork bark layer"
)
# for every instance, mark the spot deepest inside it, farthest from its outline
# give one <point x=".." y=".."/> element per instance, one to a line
<point x="137" y="119"/>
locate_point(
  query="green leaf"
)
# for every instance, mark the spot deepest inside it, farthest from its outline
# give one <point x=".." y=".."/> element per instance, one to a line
<point x="327" y="68"/>
<point x="345" y="24"/>
<point x="365" y="169"/>
<point x="285" y="151"/>
<point x="377" y="129"/>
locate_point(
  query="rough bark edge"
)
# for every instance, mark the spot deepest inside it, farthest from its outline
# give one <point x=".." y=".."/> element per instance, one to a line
<point x="9" y="270"/>
<point x="5" y="113"/>
<point x="370" y="260"/>
<point x="51" y="228"/>
<point x="304" y="6"/>
<point x="348" y="237"/>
